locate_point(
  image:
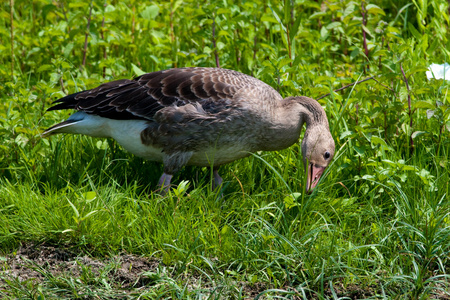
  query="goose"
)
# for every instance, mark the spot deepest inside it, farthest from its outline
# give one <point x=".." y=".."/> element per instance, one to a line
<point x="199" y="116"/>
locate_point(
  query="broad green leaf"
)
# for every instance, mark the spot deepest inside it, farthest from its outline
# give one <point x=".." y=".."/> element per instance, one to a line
<point x="360" y="150"/>
<point x="223" y="11"/>
<point x="317" y="15"/>
<point x="290" y="201"/>
<point x="374" y="10"/>
<point x="283" y="62"/>
<point x="334" y="25"/>
<point x="90" y="195"/>
<point x="423" y="104"/>
<point x="150" y="12"/>
<point x="225" y="229"/>
<point x="278" y="19"/>
<point x="418" y="133"/>
<point x="375" y="140"/>
<point x="368" y="31"/>
<point x="137" y="70"/>
<point x="267" y="18"/>
<point x="44" y="68"/>
<point x="294" y="29"/>
<point x="347" y="133"/>
<point x="414" y="32"/>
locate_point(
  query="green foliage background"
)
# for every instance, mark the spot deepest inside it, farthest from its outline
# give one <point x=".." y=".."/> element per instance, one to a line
<point x="380" y="219"/>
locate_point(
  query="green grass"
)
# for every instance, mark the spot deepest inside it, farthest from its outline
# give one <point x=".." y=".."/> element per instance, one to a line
<point x="78" y="215"/>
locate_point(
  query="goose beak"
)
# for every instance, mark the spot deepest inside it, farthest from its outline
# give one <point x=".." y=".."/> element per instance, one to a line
<point x="314" y="173"/>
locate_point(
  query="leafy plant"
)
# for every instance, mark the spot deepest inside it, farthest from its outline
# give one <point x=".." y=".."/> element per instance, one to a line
<point x="379" y="220"/>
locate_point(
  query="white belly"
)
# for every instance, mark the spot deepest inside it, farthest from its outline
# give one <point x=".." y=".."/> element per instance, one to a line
<point x="128" y="134"/>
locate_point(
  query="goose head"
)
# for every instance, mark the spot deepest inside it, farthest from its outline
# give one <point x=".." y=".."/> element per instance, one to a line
<point x="318" y="151"/>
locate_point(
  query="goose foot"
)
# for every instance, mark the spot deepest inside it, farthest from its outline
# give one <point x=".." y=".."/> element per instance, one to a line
<point x="216" y="186"/>
<point x="217" y="179"/>
<point x="164" y="184"/>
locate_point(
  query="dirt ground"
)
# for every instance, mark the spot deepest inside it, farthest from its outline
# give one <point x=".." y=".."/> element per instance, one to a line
<point x="40" y="263"/>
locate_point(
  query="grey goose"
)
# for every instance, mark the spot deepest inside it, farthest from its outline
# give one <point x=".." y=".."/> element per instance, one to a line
<point x="198" y="116"/>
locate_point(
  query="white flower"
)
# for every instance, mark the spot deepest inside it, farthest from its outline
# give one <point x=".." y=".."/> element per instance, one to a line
<point x="439" y="71"/>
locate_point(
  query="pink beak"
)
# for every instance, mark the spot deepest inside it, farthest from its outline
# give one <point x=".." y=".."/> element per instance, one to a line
<point x="313" y="178"/>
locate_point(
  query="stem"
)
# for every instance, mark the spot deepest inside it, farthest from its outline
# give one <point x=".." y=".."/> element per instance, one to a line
<point x="172" y="35"/>
<point x="289" y="43"/>
<point x="357" y="82"/>
<point x="11" y="3"/>
<point x="87" y="35"/>
<point x="61" y="82"/>
<point x="364" y="22"/>
<point x="65" y="16"/>
<point x="392" y="90"/>
<point x="379" y="59"/>
<point x="411" y="142"/>
<point x="344" y="87"/>
<point x="278" y="80"/>
<point x="133" y="21"/>
<point x="216" y="55"/>
<point x="103" y="38"/>
<point x="255" y="42"/>
<point x="236" y="49"/>
<point x="356" y="118"/>
<point x="172" y="38"/>
<point x="289" y="25"/>
<point x="439" y="140"/>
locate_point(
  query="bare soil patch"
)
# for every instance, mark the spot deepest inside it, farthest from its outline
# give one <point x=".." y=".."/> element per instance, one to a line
<point x="41" y="264"/>
<point x="38" y="262"/>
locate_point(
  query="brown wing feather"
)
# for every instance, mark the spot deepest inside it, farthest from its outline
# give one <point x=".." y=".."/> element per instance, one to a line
<point x="145" y="95"/>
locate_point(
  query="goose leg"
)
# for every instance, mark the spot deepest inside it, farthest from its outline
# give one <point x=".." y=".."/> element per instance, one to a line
<point x="173" y="162"/>
<point x="217" y="179"/>
<point x="164" y="183"/>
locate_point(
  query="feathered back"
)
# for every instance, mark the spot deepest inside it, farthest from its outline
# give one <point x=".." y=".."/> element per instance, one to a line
<point x="143" y="96"/>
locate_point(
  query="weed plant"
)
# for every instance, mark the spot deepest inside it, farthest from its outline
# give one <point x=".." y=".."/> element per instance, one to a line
<point x="377" y="226"/>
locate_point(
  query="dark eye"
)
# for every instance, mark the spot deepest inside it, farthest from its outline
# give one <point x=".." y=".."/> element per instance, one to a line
<point x="327" y="155"/>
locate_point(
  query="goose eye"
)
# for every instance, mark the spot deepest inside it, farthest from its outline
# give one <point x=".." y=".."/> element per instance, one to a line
<point x="327" y="155"/>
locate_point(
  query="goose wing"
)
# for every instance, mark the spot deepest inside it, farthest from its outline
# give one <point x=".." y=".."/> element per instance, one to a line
<point x="144" y="96"/>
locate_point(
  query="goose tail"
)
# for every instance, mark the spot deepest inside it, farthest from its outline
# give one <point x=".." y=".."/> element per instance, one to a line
<point x="60" y="128"/>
